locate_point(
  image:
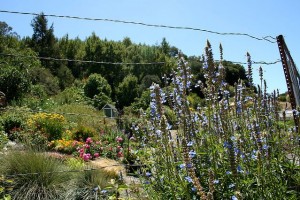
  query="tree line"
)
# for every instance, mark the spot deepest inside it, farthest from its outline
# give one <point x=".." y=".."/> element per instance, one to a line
<point x="120" y="84"/>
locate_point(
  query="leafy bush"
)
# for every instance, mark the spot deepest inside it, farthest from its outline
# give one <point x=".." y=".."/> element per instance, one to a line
<point x="3" y="139"/>
<point x="50" y="124"/>
<point x="95" y="85"/>
<point x="81" y="133"/>
<point x="13" y="121"/>
<point x="70" y="95"/>
<point x="34" y="140"/>
<point x="9" y="122"/>
<point x="65" y="146"/>
<point x="13" y="82"/>
<point x="94" y="149"/>
<point x="43" y="76"/>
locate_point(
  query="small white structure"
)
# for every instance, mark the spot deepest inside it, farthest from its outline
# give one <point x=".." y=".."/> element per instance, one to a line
<point x="110" y="111"/>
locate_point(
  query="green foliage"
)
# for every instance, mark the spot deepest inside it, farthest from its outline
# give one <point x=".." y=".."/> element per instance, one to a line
<point x="283" y="97"/>
<point x="51" y="125"/>
<point x="42" y="76"/>
<point x="65" y="77"/>
<point x="96" y="84"/>
<point x="43" y="41"/>
<point x="234" y="72"/>
<point x="83" y="132"/>
<point x="127" y="91"/>
<point x="195" y="101"/>
<point x="142" y="102"/>
<point x="83" y="115"/>
<point x="13" y="82"/>
<point x="100" y="100"/>
<point x="47" y="184"/>
<point x="33" y="140"/>
<point x="148" y="80"/>
<point x="98" y="89"/>
<point x="3" y="139"/>
<point x="92" y="182"/>
<point x="13" y="120"/>
<point x="221" y="151"/>
<point x="6" y="185"/>
<point x="72" y="49"/>
<point x="70" y="95"/>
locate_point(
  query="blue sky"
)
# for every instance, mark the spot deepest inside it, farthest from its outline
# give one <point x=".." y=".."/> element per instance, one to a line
<point x="256" y="17"/>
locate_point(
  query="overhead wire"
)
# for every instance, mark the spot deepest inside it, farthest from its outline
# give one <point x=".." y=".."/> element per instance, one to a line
<point x="61" y="113"/>
<point x="82" y="61"/>
<point x="125" y="63"/>
<point x="71" y="171"/>
<point x="268" y="38"/>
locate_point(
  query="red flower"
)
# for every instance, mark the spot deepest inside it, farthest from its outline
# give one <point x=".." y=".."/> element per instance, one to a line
<point x="120" y="154"/>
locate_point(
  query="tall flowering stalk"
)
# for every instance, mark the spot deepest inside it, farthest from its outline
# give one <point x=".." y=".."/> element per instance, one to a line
<point x="234" y="147"/>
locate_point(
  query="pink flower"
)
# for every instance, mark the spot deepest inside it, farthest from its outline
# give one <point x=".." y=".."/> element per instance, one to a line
<point x="87" y="146"/>
<point x="119" y="139"/>
<point x="98" y="142"/>
<point x="120" y="154"/>
<point x="96" y="155"/>
<point x="86" y="156"/>
<point x="81" y="150"/>
<point x="88" y="140"/>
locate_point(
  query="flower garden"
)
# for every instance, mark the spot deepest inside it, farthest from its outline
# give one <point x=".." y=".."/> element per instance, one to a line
<point x="232" y="147"/>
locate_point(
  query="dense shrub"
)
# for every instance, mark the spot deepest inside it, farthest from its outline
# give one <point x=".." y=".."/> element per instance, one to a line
<point x="52" y="125"/>
<point x="13" y="82"/>
<point x="81" y="133"/>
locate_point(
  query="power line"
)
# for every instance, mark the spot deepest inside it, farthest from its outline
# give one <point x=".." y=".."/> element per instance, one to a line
<point x="255" y="62"/>
<point x="82" y="61"/>
<point x="266" y="38"/>
<point x="71" y="171"/>
<point x="121" y="63"/>
<point x="61" y="113"/>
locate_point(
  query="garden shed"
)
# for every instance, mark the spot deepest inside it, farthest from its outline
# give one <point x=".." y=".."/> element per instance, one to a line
<point x="110" y="111"/>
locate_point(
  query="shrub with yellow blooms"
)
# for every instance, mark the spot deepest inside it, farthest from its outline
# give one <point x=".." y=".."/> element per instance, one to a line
<point x="50" y="124"/>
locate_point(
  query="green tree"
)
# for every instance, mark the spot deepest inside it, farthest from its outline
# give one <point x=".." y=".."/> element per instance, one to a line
<point x="148" y="80"/>
<point x="65" y="76"/>
<point x="93" y="51"/>
<point x="127" y="91"/>
<point x="43" y="77"/>
<point x="73" y="49"/>
<point x="98" y="89"/>
<point x="165" y="47"/>
<point x="43" y="41"/>
<point x="8" y="38"/>
<point x="234" y="72"/>
<point x="127" y="42"/>
<point x="13" y="82"/>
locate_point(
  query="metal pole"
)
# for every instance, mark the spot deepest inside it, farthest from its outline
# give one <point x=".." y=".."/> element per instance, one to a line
<point x="285" y="57"/>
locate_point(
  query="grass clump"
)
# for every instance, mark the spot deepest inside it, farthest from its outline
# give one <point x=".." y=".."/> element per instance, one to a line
<point x="37" y="176"/>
